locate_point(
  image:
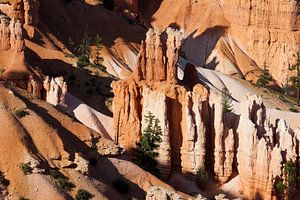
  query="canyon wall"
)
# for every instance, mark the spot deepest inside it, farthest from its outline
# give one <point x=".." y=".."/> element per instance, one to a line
<point x="15" y="16"/>
<point x="196" y="133"/>
<point x="154" y="88"/>
<point x="233" y="37"/>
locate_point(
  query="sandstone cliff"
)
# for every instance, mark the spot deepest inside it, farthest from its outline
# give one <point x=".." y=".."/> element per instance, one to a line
<point x="16" y="15"/>
<point x="196" y="133"/>
<point x="154" y="87"/>
<point x="263" y="149"/>
<point x="234" y="37"/>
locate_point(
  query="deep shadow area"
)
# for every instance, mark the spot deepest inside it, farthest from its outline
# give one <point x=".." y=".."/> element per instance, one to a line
<point x="69" y="22"/>
<point x="198" y="48"/>
<point x="80" y="83"/>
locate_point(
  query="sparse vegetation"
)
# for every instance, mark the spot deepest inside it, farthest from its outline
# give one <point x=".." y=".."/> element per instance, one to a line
<point x="293" y="109"/>
<point x="201" y="177"/>
<point x="98" y="59"/>
<point x="264" y="78"/>
<point x="145" y="153"/>
<point x="61" y="180"/>
<point x="83" y="195"/>
<point x="280" y="187"/>
<point x="26" y="168"/>
<point x="20" y="113"/>
<point x="84" y="52"/>
<point x="287" y="187"/>
<point x="291" y="173"/>
<point x="296" y="78"/>
<point x="226" y="100"/>
<point x="121" y="186"/>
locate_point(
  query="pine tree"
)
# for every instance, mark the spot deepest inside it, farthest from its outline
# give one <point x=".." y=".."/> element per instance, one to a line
<point x="146" y="151"/>
<point x="98" y="60"/>
<point x="296" y="78"/>
<point x="84" y="51"/>
<point x="264" y="78"/>
<point x="226" y="100"/>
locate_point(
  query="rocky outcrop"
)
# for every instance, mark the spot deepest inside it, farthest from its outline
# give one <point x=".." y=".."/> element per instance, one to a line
<point x="56" y="90"/>
<point x="12" y="45"/>
<point x="24" y="10"/>
<point x="235" y="37"/>
<point x="82" y="165"/>
<point x="154" y="88"/>
<point x="155" y="64"/>
<point x="160" y="193"/>
<point x="156" y="193"/>
<point x="196" y="133"/>
<point x="263" y="150"/>
<point x="223" y="141"/>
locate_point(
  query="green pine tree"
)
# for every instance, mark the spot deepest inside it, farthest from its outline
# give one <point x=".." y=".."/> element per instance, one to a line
<point x="226" y="100"/>
<point x="98" y="59"/>
<point x="84" y="51"/>
<point x="264" y="78"/>
<point x="146" y="151"/>
<point x="296" y="78"/>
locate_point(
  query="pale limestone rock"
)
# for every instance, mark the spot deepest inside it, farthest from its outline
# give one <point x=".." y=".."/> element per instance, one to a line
<point x="155" y="103"/>
<point x="153" y="88"/>
<point x="159" y="193"/>
<point x="56" y="90"/>
<point x="260" y="158"/>
<point x="82" y="164"/>
<point x="153" y="63"/>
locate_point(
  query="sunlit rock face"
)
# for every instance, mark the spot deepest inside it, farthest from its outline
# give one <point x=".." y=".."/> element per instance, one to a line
<point x="154" y="87"/>
<point x="231" y="36"/>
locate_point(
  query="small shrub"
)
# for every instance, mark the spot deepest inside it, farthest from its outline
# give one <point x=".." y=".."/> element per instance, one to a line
<point x="201" y="178"/>
<point x="64" y="184"/>
<point x="121" y="186"/>
<point x="82" y="61"/>
<point x="226" y="101"/>
<point x="54" y="173"/>
<point x="20" y="113"/>
<point x="26" y="168"/>
<point x="61" y="180"/>
<point x="280" y="187"/>
<point x="291" y="173"/>
<point x="83" y="195"/>
<point x="293" y="109"/>
<point x="109" y="4"/>
<point x="264" y="78"/>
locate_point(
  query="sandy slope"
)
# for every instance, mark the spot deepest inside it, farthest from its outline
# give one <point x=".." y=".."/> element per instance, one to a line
<point x="49" y="138"/>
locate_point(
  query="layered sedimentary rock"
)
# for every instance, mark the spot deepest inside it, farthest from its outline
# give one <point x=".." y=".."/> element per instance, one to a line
<point x="223" y="141"/>
<point x="234" y="37"/>
<point x="14" y="15"/>
<point x="196" y="133"/>
<point x="263" y="150"/>
<point x="154" y="88"/>
<point x="24" y="10"/>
